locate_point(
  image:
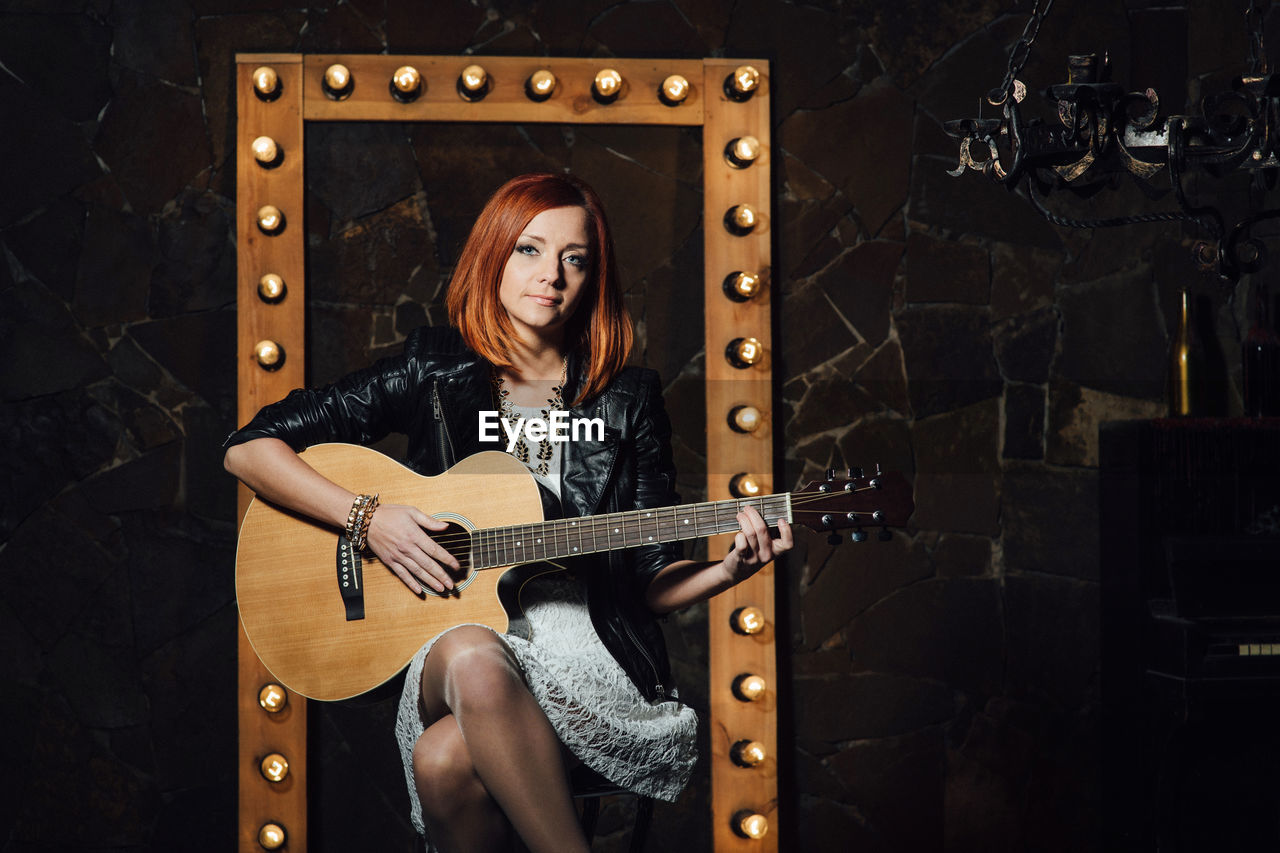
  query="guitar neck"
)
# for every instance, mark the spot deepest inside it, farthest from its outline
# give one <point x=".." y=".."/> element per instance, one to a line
<point x="571" y="537"/>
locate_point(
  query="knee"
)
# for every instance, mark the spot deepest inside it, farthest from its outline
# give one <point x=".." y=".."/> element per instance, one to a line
<point x="477" y="670"/>
<point x="443" y="772"/>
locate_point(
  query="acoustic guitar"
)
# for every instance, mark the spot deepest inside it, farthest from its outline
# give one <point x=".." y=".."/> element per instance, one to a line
<point x="331" y="623"/>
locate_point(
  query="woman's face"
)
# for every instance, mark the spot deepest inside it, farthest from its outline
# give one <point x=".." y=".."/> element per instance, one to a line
<point x="543" y="280"/>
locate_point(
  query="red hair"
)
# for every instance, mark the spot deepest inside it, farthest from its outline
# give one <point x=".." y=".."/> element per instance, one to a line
<point x="600" y="326"/>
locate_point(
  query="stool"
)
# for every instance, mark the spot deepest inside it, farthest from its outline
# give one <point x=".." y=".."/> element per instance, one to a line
<point x="590" y="787"/>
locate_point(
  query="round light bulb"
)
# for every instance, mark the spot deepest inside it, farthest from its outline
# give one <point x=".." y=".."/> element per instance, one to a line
<point x="274" y="767"/>
<point x="741" y="286"/>
<point x="407" y="78"/>
<point x="608" y="83"/>
<point x="270" y="219"/>
<point x="749" y="688"/>
<point x="744" y="485"/>
<point x="742" y="151"/>
<point x="748" y="753"/>
<point x="747" y="620"/>
<point x="406" y="83"/>
<point x="744" y="352"/>
<point x="745" y="419"/>
<point x="265" y="150"/>
<point x="674" y="90"/>
<point x="271" y="836"/>
<point x="271" y="288"/>
<point x="751" y="825"/>
<point x="269" y="355"/>
<point x="540" y="85"/>
<point x="273" y="698"/>
<point x="742" y="83"/>
<point x="266" y="82"/>
<point x="473" y="83"/>
<point x="741" y="218"/>
<point x="337" y="77"/>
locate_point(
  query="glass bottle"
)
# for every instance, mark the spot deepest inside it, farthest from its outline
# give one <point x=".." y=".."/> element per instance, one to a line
<point x="1187" y="366"/>
<point x="1260" y="359"/>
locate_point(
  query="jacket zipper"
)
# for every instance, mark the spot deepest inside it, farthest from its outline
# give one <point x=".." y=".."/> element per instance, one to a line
<point x="446" y="443"/>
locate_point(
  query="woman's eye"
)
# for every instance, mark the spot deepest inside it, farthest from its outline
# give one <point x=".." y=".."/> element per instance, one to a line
<point x="526" y="249"/>
<point x="576" y="260"/>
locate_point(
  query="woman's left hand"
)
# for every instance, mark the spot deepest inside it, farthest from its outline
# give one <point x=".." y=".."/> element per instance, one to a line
<point x="754" y="546"/>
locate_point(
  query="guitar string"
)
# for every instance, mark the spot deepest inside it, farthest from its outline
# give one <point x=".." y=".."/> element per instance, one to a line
<point x="594" y="522"/>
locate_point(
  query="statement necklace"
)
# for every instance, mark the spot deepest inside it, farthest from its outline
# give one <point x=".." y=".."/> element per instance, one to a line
<point x="507" y="413"/>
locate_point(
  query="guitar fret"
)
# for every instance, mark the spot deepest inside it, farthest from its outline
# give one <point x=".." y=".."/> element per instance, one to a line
<point x="503" y="546"/>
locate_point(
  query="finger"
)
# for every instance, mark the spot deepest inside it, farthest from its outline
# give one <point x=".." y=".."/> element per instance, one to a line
<point x="427" y="521"/>
<point x="425" y="566"/>
<point x="786" y="538"/>
<point x="410" y="580"/>
<point x="751" y="532"/>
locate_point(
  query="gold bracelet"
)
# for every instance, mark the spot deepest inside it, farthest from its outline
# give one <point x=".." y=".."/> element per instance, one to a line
<point x="358" y="520"/>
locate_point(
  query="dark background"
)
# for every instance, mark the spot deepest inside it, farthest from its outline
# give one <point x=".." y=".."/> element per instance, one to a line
<point x="941" y="691"/>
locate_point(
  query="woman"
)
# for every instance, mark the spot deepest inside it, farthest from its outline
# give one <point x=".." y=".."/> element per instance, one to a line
<point x="489" y="725"/>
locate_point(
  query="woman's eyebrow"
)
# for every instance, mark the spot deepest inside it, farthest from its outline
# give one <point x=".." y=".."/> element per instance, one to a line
<point x="581" y="246"/>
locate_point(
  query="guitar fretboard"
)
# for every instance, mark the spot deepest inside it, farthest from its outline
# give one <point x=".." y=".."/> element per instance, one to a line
<point x="570" y="537"/>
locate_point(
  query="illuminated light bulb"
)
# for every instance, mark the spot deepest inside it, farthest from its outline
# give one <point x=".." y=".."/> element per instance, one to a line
<point x="540" y="85"/>
<point x="745" y="419"/>
<point x="747" y="620"/>
<point x="742" y="151"/>
<point x="274" y="767"/>
<point x="269" y="355"/>
<point x="607" y="86"/>
<point x="741" y="219"/>
<point x="674" y="90"/>
<point x="744" y="485"/>
<point x="741" y="286"/>
<point x="744" y="352"/>
<point x="265" y="151"/>
<point x="406" y="84"/>
<point x="271" y="288"/>
<point x="473" y="83"/>
<point x="742" y="83"/>
<point x="748" y="753"/>
<point x="266" y="83"/>
<point x="749" y="824"/>
<point x="271" y="836"/>
<point x="337" y="82"/>
<point x="273" y="698"/>
<point x="748" y="687"/>
<point x="270" y="219"/>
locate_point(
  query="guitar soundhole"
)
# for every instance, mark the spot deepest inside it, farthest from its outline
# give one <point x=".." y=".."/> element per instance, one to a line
<point x="456" y="539"/>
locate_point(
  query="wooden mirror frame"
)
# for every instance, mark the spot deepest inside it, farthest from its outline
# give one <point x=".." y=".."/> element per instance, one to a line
<point x="282" y="115"/>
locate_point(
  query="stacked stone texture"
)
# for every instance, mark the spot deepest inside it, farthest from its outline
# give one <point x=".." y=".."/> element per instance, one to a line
<point x="939" y="690"/>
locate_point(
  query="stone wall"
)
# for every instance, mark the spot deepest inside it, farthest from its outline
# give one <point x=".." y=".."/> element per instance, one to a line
<point x="941" y="689"/>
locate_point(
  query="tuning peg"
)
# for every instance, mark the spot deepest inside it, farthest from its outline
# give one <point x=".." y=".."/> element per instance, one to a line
<point x="834" y="539"/>
<point x="884" y="535"/>
<point x="858" y="536"/>
<point x="855" y="471"/>
<point x="831" y="474"/>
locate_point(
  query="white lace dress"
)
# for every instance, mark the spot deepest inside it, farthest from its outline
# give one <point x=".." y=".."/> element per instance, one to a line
<point x="592" y="704"/>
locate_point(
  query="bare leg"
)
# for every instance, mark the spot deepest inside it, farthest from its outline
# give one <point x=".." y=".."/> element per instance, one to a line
<point x="509" y="745"/>
<point x="457" y="809"/>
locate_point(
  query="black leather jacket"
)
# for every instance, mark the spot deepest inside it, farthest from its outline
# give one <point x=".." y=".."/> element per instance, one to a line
<point x="433" y="393"/>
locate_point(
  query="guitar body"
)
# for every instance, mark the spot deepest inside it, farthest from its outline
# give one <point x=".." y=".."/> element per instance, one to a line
<point x="288" y="585"/>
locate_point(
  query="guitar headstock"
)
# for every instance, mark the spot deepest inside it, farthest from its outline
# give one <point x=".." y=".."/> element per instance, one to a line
<point x="856" y="501"/>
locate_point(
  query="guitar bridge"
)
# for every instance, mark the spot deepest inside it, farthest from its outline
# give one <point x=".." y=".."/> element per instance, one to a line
<point x="350" y="579"/>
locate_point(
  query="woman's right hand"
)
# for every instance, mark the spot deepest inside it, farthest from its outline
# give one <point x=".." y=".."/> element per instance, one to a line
<point x="398" y="537"/>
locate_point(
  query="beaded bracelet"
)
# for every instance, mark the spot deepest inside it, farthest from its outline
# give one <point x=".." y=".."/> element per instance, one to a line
<point x="358" y="520"/>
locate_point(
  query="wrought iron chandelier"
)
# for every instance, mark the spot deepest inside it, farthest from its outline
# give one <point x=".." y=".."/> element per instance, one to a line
<point x="1101" y="131"/>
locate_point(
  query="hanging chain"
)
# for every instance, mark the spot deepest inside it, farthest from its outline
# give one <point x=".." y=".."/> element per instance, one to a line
<point x="1018" y="57"/>
<point x="1255" y="18"/>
